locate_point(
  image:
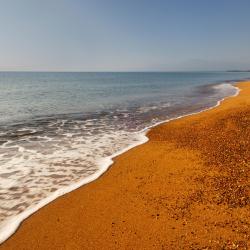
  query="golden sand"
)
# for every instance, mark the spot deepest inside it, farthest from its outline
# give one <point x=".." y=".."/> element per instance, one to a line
<point x="186" y="188"/>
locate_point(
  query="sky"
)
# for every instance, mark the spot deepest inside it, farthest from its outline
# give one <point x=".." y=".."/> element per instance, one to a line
<point x="124" y="35"/>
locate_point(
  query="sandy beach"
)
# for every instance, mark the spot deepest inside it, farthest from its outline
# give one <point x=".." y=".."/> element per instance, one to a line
<point x="186" y="188"/>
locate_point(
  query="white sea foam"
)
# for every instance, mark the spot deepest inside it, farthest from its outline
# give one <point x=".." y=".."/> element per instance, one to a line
<point x="44" y="168"/>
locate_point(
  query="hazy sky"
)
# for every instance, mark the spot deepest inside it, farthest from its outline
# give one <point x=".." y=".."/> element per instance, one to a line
<point x="124" y="35"/>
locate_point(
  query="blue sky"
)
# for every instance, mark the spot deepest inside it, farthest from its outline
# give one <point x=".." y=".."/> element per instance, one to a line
<point x="119" y="35"/>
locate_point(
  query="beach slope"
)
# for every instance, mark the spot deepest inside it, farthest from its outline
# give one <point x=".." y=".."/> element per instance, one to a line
<point x="186" y="188"/>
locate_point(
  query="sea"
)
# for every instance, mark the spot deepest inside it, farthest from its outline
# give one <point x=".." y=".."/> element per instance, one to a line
<point x="59" y="131"/>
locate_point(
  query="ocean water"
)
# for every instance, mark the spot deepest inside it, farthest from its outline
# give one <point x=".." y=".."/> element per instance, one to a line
<point x="60" y="130"/>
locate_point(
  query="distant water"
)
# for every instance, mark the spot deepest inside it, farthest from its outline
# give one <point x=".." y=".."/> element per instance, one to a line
<point x="58" y="130"/>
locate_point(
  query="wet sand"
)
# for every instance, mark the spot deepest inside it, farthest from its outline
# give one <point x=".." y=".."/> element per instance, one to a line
<point x="186" y="188"/>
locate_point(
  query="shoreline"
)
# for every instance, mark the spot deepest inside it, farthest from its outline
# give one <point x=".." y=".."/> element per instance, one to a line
<point x="116" y="158"/>
<point x="13" y="224"/>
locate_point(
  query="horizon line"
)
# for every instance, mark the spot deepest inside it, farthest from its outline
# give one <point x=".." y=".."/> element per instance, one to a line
<point x="119" y="71"/>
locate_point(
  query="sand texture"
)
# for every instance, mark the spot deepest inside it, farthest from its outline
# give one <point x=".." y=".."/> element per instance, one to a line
<point x="186" y="188"/>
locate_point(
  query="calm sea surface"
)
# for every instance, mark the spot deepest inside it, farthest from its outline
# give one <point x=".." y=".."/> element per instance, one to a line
<point x="58" y="130"/>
